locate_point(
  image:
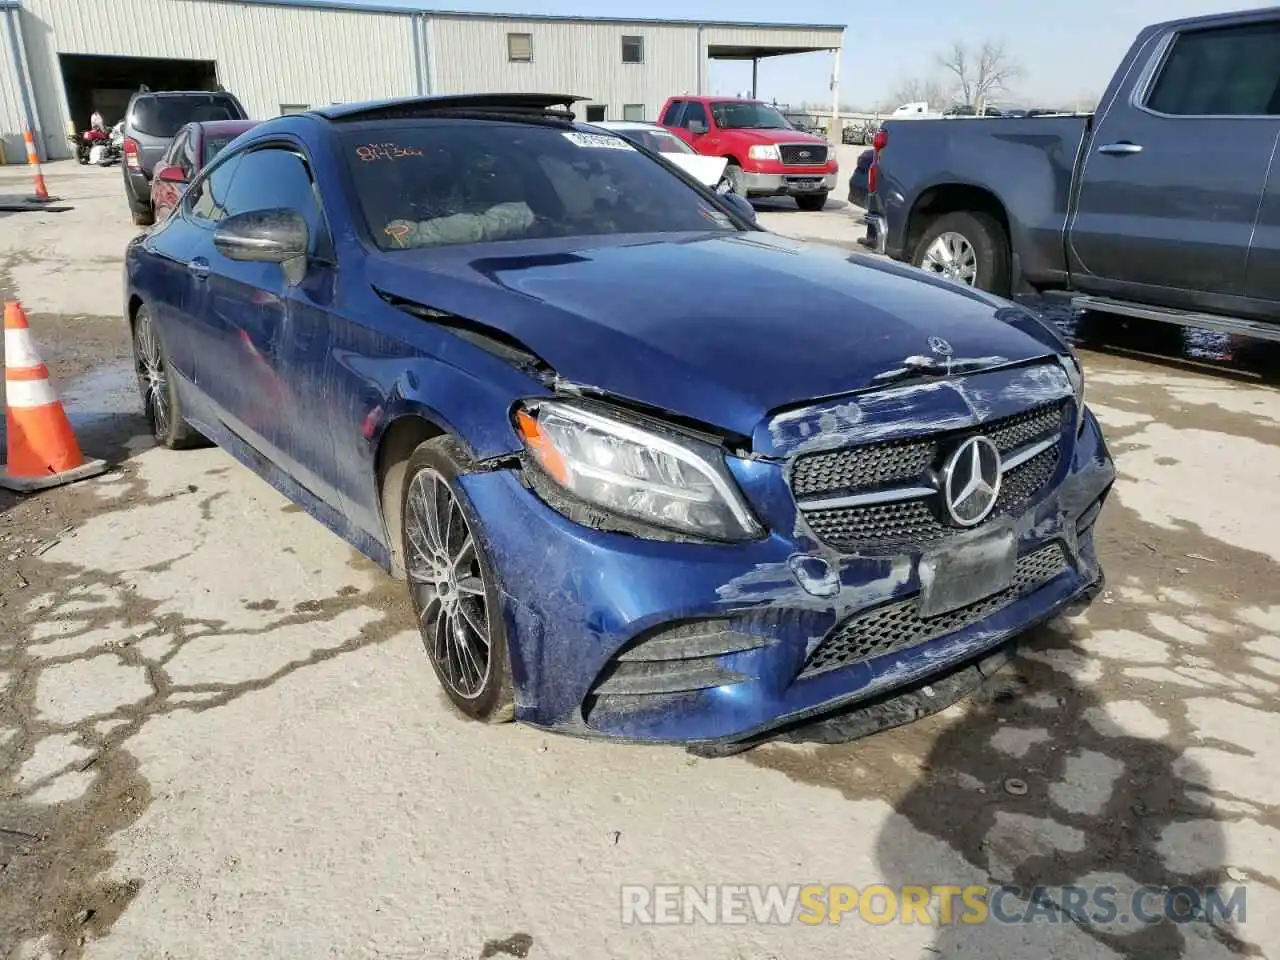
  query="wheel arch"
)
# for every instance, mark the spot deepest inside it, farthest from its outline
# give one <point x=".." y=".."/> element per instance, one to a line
<point x="396" y="444"/>
<point x="135" y="304"/>
<point x="952" y="198"/>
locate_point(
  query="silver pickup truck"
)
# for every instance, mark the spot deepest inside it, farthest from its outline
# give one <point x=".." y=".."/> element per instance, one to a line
<point x="1164" y="204"/>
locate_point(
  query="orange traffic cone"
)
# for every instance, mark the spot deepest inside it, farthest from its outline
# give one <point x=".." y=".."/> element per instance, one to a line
<point x="43" y="451"/>
<point x="33" y="159"/>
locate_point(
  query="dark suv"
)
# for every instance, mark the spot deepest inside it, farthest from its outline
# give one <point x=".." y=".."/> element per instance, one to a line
<point x="150" y="124"/>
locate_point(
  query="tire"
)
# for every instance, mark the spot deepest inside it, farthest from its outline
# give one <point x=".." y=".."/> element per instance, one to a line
<point x="160" y="402"/>
<point x="733" y="173"/>
<point x="443" y="600"/>
<point x="987" y="240"/>
<point x="811" y="201"/>
<point x="140" y="211"/>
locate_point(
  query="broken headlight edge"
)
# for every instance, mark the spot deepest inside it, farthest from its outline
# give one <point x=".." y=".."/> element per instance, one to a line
<point x="649" y="475"/>
<point x="1075" y="373"/>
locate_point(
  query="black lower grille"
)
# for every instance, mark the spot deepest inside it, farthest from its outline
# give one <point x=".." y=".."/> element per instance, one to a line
<point x="803" y="154"/>
<point x="898" y="626"/>
<point x="676" y="659"/>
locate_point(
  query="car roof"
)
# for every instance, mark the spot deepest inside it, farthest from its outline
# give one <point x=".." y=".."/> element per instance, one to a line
<point x="137" y="94"/>
<point x="406" y="107"/>
<point x="216" y="127"/>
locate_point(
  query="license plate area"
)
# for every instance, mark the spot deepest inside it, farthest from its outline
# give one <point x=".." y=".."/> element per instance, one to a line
<point x="805" y="185"/>
<point x="966" y="569"/>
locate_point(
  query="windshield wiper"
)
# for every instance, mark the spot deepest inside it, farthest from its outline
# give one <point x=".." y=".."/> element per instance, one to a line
<point x="924" y="367"/>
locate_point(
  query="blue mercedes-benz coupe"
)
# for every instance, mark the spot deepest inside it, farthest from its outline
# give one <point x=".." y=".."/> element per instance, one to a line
<point x="649" y="471"/>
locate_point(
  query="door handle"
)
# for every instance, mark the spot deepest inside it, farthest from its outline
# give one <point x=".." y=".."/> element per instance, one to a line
<point x="1122" y="149"/>
<point x="199" y="268"/>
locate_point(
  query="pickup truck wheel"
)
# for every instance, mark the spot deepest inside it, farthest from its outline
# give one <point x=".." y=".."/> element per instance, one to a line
<point x="968" y="247"/>
<point x="811" y="201"/>
<point x="733" y="173"/>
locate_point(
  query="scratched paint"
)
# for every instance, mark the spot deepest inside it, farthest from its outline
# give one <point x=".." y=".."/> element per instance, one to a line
<point x="914" y="409"/>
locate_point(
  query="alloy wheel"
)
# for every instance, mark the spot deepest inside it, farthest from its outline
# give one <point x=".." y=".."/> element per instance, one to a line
<point x="153" y="380"/>
<point x="448" y="585"/>
<point x="952" y="256"/>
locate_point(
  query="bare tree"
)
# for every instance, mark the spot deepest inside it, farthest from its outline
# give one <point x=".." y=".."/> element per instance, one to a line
<point x="915" y="90"/>
<point x="979" y="72"/>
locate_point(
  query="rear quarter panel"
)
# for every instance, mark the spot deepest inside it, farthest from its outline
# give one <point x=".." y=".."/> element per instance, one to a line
<point x="1025" y="164"/>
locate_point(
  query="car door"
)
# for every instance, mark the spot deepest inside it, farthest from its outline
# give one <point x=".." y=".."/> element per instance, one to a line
<point x="1262" y="276"/>
<point x="272" y="338"/>
<point x="1170" y="188"/>
<point x="202" y="208"/>
<point x="672" y="117"/>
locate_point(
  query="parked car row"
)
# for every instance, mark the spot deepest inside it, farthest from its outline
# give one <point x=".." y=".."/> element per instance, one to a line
<point x="740" y="147"/>
<point x="620" y="511"/>
<point x="766" y="156"/>
<point x="152" y="122"/>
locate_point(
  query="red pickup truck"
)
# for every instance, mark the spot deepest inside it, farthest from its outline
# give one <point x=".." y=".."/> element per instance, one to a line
<point x="767" y="156"/>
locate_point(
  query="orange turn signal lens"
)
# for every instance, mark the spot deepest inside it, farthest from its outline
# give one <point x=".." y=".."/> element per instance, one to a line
<point x="548" y="456"/>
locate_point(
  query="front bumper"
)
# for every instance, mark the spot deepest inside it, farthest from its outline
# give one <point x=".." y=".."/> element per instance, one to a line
<point x="612" y="635"/>
<point x="788" y="184"/>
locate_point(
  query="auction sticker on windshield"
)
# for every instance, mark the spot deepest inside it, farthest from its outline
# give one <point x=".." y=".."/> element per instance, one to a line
<point x="599" y="141"/>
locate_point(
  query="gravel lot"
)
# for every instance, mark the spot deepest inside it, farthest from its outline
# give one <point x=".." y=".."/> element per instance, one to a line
<point x="219" y="736"/>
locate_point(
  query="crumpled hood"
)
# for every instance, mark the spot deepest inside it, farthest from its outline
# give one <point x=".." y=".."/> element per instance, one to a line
<point x="722" y="329"/>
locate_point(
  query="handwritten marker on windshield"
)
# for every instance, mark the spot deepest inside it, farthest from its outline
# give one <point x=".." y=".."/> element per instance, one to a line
<point x="42" y="448"/>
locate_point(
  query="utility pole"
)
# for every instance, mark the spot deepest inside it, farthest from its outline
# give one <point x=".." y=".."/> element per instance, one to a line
<point x="834" y="130"/>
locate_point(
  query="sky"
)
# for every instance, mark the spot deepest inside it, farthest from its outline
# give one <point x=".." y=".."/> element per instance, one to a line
<point x="1066" y="59"/>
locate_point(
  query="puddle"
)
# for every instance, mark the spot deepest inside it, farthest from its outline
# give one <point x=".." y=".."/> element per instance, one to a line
<point x="108" y="392"/>
<point x="1158" y="339"/>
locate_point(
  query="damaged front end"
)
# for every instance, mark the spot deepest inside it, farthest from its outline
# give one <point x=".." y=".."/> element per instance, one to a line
<point x="661" y="583"/>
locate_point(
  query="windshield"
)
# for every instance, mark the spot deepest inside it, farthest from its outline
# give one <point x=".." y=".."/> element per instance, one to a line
<point x="659" y="141"/>
<point x="445" y="182"/>
<point x="735" y="115"/>
<point x="165" y="116"/>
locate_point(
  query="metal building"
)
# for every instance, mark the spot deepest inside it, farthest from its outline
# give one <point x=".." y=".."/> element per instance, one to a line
<point x="64" y="58"/>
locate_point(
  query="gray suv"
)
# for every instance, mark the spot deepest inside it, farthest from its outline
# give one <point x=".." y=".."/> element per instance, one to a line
<point x="150" y="123"/>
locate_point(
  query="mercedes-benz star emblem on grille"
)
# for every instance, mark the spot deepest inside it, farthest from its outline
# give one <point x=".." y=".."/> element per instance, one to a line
<point x="971" y="481"/>
<point x="940" y="346"/>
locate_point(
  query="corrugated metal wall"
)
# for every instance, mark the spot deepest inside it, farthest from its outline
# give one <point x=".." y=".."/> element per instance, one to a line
<point x="568" y="57"/>
<point x="12" y="116"/>
<point x="268" y="56"/>
<point x="767" y="36"/>
<point x="273" y="56"/>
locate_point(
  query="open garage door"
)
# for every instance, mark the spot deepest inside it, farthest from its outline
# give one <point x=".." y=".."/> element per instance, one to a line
<point x="106" y="83"/>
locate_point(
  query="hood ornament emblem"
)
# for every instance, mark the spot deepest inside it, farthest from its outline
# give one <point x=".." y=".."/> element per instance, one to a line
<point x="941" y="347"/>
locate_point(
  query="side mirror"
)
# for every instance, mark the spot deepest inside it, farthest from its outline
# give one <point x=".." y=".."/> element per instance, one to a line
<point x="170" y="174"/>
<point x="266" y="236"/>
<point x="697" y="127"/>
<point x="741" y="204"/>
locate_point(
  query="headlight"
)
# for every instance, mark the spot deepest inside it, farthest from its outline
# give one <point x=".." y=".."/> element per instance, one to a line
<point x="663" y="479"/>
<point x="763" y="151"/>
<point x="1075" y="373"/>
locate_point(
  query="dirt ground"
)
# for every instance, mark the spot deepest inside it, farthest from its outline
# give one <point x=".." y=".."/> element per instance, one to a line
<point x="219" y="735"/>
